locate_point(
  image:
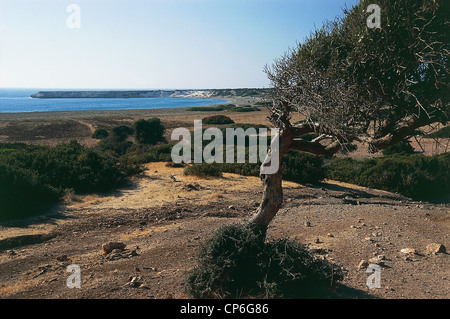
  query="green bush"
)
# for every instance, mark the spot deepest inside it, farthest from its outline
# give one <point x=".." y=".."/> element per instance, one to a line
<point x="217" y="119"/>
<point x="417" y="176"/>
<point x="442" y="133"/>
<point x="399" y="148"/>
<point x="204" y="170"/>
<point x="142" y="153"/>
<point x="246" y="108"/>
<point x="34" y="175"/>
<point x="22" y="194"/>
<point x="100" y="133"/>
<point x="149" y="131"/>
<point x="236" y="263"/>
<point x="120" y="133"/>
<point x="301" y="167"/>
<point x="215" y="108"/>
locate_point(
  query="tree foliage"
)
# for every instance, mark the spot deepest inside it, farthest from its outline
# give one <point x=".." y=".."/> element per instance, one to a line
<point x="149" y="131"/>
<point x="376" y="86"/>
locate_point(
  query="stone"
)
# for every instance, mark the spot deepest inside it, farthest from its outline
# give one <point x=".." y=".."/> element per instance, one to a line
<point x="11" y="252"/>
<point x="378" y="260"/>
<point x="109" y="247"/>
<point x="307" y="224"/>
<point x="362" y="264"/>
<point x="408" y="251"/>
<point x="434" y="248"/>
<point x="61" y="258"/>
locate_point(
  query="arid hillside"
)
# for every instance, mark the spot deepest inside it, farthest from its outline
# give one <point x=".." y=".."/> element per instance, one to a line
<point x="163" y="221"/>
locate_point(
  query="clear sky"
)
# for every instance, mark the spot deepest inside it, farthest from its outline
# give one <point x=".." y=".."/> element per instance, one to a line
<point x="151" y="44"/>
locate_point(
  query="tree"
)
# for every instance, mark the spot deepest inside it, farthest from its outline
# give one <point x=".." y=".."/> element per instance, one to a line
<point x="149" y="131"/>
<point x="357" y="84"/>
<point x="121" y="133"/>
<point x="100" y="133"/>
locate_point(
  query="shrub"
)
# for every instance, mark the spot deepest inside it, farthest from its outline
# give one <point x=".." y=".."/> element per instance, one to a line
<point x="143" y="153"/>
<point x="399" y="148"/>
<point x="442" y="133"/>
<point x="301" y="167"/>
<point x="204" y="170"/>
<point x="245" y="109"/>
<point x="22" y="194"/>
<point x="100" y="133"/>
<point x="120" y="133"/>
<point x="35" y="175"/>
<point x="214" y="108"/>
<point x="417" y="176"/>
<point x="217" y="119"/>
<point x="236" y="263"/>
<point x="119" y="148"/>
<point x="149" y="131"/>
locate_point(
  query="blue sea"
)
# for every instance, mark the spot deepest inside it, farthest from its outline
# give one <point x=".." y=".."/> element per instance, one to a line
<point x="19" y="100"/>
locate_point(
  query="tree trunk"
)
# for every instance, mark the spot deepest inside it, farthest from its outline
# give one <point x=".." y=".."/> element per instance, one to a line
<point x="272" y="197"/>
<point x="272" y="200"/>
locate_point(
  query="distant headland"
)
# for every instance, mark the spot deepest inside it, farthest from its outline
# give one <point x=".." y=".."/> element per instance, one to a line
<point x="117" y="94"/>
<point x="120" y="94"/>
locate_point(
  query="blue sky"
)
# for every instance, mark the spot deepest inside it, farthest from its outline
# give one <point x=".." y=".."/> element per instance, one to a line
<point x="137" y="44"/>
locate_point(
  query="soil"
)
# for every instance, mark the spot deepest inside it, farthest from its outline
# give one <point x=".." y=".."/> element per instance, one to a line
<point x="163" y="217"/>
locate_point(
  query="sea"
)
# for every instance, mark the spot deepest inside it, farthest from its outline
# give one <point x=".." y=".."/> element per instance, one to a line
<point x="19" y="101"/>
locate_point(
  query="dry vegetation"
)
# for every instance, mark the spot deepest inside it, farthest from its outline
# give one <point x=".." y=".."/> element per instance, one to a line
<point x="164" y="220"/>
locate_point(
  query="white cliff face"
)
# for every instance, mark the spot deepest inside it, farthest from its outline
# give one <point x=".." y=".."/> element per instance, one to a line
<point x="124" y="94"/>
<point x="199" y="94"/>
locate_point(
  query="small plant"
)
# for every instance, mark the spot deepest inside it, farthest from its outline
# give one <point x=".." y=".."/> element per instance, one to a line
<point x="121" y="133"/>
<point x="203" y="170"/>
<point x="217" y="119"/>
<point x="100" y="133"/>
<point x="399" y="148"/>
<point x="442" y="133"/>
<point x="236" y="263"/>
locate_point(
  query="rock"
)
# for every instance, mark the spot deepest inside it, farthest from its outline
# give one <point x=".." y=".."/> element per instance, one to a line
<point x="109" y="247"/>
<point x="330" y="235"/>
<point x="135" y="282"/>
<point x="231" y="207"/>
<point x="307" y="224"/>
<point x="317" y="240"/>
<point x="362" y="264"/>
<point x="61" y="258"/>
<point x="434" y="248"/>
<point x="408" y="251"/>
<point x="11" y="252"/>
<point x="378" y="260"/>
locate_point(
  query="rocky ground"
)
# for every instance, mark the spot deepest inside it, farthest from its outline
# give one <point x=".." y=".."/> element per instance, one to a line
<point x="162" y="222"/>
<point x="163" y="217"/>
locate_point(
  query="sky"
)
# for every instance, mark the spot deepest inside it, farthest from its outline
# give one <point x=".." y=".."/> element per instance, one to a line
<point x="151" y="44"/>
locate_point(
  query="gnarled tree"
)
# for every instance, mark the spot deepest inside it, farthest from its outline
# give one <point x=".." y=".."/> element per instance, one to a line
<point x="357" y="84"/>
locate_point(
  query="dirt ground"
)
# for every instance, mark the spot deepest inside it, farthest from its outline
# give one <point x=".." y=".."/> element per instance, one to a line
<point x="163" y="217"/>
